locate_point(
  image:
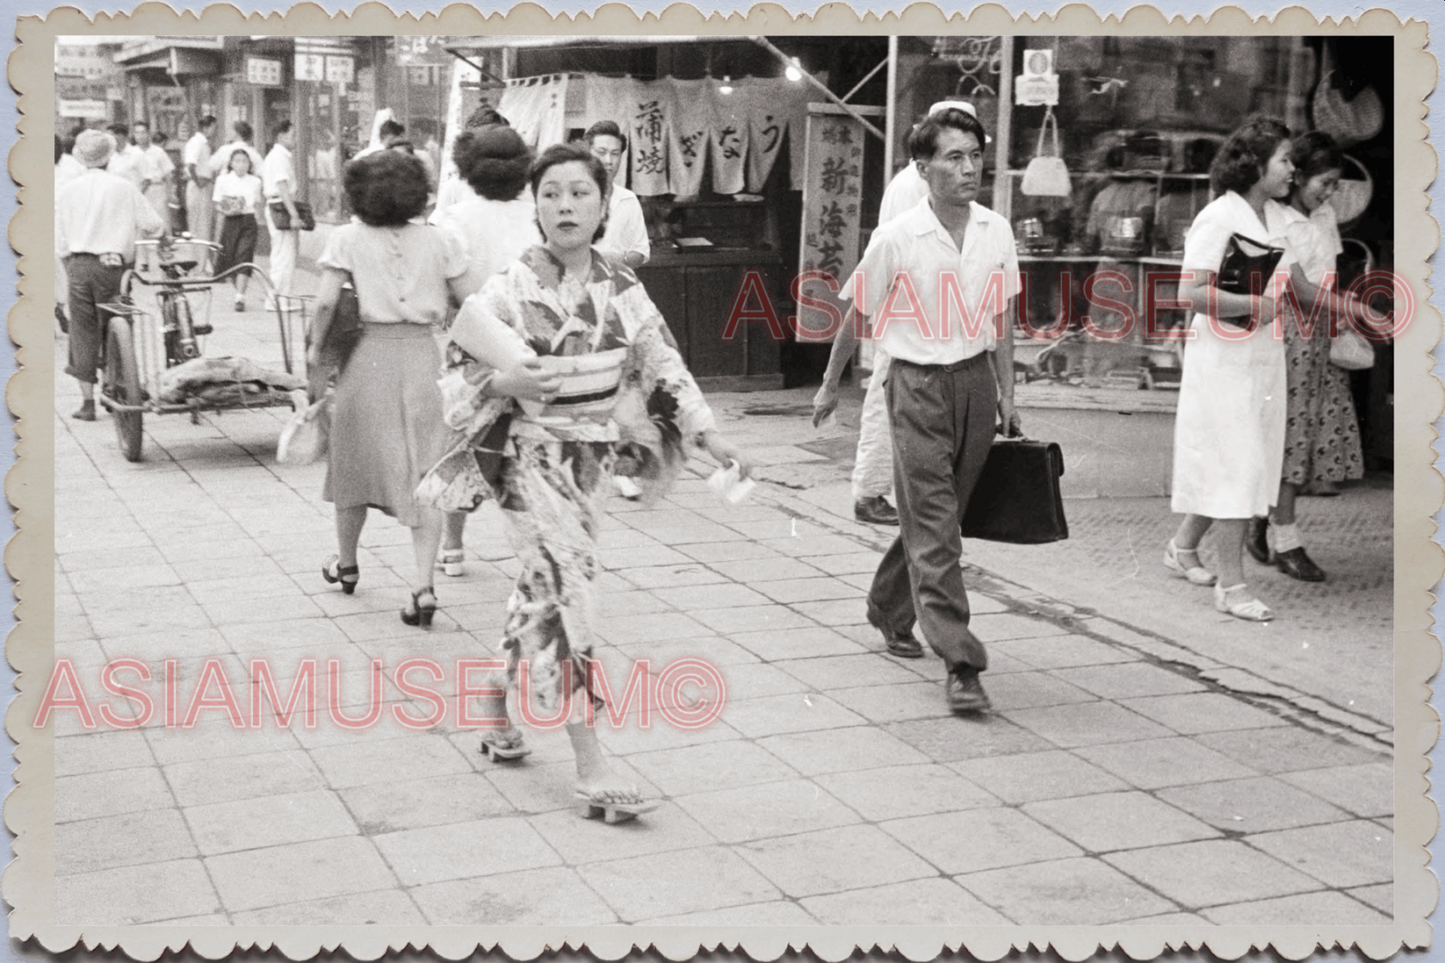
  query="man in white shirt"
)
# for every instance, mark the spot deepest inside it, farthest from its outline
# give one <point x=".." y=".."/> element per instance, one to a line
<point x="199" y="179"/>
<point x="221" y="159"/>
<point x="155" y="167"/>
<point x="127" y="161"/>
<point x="937" y="280"/>
<point x="626" y="232"/>
<point x="278" y="179"/>
<point x="98" y="217"/>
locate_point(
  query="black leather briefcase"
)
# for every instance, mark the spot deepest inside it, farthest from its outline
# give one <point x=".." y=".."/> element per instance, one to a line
<point x="1017" y="497"/>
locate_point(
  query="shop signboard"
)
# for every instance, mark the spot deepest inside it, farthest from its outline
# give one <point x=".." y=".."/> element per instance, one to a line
<point x="832" y="216"/>
<point x="84" y="109"/>
<point x="340" y="69"/>
<point x="310" y="66"/>
<point x="263" y="72"/>
<point x="1038" y="85"/>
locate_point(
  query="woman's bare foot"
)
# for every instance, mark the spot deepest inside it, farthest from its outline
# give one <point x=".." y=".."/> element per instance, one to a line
<point x="609" y="787"/>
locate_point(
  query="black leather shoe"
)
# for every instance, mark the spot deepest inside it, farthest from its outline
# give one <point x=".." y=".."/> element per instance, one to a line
<point x="965" y="691"/>
<point x="1297" y="565"/>
<point x="1256" y="542"/>
<point x="901" y="644"/>
<point x="875" y="511"/>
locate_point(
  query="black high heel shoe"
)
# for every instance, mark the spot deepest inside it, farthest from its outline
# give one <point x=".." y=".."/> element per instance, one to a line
<point x="417" y="613"/>
<point x="333" y="571"/>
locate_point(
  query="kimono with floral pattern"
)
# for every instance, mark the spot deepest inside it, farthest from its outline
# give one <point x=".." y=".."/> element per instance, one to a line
<point x="548" y="477"/>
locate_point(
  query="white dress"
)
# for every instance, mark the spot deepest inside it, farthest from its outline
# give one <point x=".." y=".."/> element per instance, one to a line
<point x="1229" y="429"/>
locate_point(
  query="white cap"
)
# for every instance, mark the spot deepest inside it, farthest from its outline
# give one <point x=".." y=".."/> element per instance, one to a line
<point x="962" y="105"/>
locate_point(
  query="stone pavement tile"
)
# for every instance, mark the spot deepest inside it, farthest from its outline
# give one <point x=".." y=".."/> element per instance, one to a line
<point x="772" y="645"/>
<point x="413" y="755"/>
<point x="213" y="738"/>
<point x="1005" y="626"/>
<point x="262" y="637"/>
<point x="916" y="902"/>
<point x="484" y="847"/>
<point x="110" y="793"/>
<point x="1304" y="909"/>
<point x="1156" y="763"/>
<point x="830" y="860"/>
<point x="383" y="907"/>
<point x="1118" y="820"/>
<point x="635" y="602"/>
<point x="625" y="537"/>
<point x="298" y="872"/>
<point x="847" y="671"/>
<point x="1060" y="651"/>
<point x="710" y="552"/>
<point x="1065" y="892"/>
<point x="85" y="582"/>
<point x="1211" y="872"/>
<point x="269" y="821"/>
<point x="1195" y="712"/>
<point x="1286" y="749"/>
<point x="1029" y="690"/>
<point x="394" y="805"/>
<point x="852" y="748"/>
<point x="1087" y="724"/>
<point x="1381" y="897"/>
<point x="668" y="884"/>
<point x="851" y="563"/>
<point x="85" y="656"/>
<point x="230" y="566"/>
<point x="152" y="836"/>
<point x="780" y="527"/>
<point x="269" y="609"/>
<point x="1252" y="805"/>
<point x="952" y="738"/>
<point x="1355" y="853"/>
<point x="256" y="586"/>
<point x="72" y="627"/>
<point x="754" y="680"/>
<point x="895" y="792"/>
<point x="631" y="737"/>
<point x="678" y="575"/>
<point x="833" y="611"/>
<point x="146" y="617"/>
<point x="895" y="703"/>
<point x="752" y="618"/>
<point x="242" y="777"/>
<point x="748" y="813"/>
<point x="1032" y="776"/>
<point x="700" y="531"/>
<point x="1366" y="790"/>
<point x="660" y="653"/>
<point x="623" y="560"/>
<point x="135" y="894"/>
<point x="98" y="751"/>
<point x="979" y="839"/>
<point x="795" y="712"/>
<point x="582" y="841"/>
<point x="651" y="519"/>
<point x="820" y="588"/>
<point x="1128" y="680"/>
<point x="775" y="913"/>
<point x="181" y="552"/>
<point x="710" y="767"/>
<point x="756" y="572"/>
<point x="808" y="544"/>
<point x="657" y="627"/>
<point x="533" y="897"/>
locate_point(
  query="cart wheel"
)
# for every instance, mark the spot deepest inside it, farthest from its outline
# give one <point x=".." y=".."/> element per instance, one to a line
<point x="122" y="384"/>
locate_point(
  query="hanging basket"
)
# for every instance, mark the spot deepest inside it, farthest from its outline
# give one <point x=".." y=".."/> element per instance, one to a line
<point x="1353" y="196"/>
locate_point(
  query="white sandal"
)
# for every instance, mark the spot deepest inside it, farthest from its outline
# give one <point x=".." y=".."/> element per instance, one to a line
<point x="450" y="560"/>
<point x="1196" y="574"/>
<point x="1251" y="609"/>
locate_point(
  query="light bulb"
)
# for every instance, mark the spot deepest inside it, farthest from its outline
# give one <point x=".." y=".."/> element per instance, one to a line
<point x="793" y="73"/>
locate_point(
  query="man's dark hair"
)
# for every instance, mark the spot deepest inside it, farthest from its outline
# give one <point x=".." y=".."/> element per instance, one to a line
<point x="284" y="127"/>
<point x="244" y="131"/>
<point x="494" y="162"/>
<point x="923" y="142"/>
<point x="206" y="122"/>
<point x="566" y="154"/>
<point x="1241" y="161"/>
<point x="120" y="130"/>
<point x="391" y="128"/>
<point x="140" y="123"/>
<point x="387" y="188"/>
<point x="605" y="128"/>
<point x="1314" y="154"/>
<point x="485" y="116"/>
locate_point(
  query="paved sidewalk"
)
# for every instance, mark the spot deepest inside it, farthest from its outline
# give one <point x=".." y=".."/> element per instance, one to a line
<point x="1113" y="781"/>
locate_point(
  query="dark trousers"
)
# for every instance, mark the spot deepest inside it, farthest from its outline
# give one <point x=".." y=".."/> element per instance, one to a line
<point x="91" y="284"/>
<point x="943" y="424"/>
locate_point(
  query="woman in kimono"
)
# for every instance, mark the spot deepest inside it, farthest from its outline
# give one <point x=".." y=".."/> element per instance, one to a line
<point x="546" y="447"/>
<point x="1229" y="429"/>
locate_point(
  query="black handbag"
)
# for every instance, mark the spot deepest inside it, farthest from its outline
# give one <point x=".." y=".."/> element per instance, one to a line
<point x="341" y="339"/>
<point x="1246" y="269"/>
<point x="1017" y="498"/>
<point x="281" y="218"/>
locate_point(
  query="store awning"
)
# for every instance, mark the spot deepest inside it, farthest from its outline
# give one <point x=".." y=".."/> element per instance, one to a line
<point x="174" y="61"/>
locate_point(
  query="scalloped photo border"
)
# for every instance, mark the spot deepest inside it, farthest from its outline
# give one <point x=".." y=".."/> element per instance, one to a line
<point x="28" y="881"/>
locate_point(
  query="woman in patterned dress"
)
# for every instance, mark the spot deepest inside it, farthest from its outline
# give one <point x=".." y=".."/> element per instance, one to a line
<point x="549" y="460"/>
<point x="1322" y="434"/>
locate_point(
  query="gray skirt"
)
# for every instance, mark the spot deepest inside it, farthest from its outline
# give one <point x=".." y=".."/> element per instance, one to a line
<point x="386" y="421"/>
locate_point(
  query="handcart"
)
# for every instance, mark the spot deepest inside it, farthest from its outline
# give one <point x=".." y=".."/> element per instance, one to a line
<point x="142" y="343"/>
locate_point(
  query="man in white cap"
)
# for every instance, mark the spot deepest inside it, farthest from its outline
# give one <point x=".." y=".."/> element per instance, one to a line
<point x="873" y="463"/>
<point x="98" y="217"/>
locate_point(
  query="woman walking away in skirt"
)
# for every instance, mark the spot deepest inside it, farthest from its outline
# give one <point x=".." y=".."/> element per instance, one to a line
<point x="561" y="440"/>
<point x="386" y="427"/>
<point x="237" y="198"/>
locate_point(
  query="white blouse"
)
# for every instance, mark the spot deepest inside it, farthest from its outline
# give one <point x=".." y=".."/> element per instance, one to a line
<point x="237" y="194"/>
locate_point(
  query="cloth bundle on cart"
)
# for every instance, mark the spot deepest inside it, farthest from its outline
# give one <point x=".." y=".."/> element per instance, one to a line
<point x="224" y="380"/>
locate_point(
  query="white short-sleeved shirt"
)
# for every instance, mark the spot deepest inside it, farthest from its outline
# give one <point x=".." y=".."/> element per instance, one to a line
<point x="102" y="213"/>
<point x="914" y="254"/>
<point x="128" y="163"/>
<point x="495" y="233"/>
<point x="626" y="231"/>
<point x="400" y="273"/>
<point x="198" y="154"/>
<point x="1315" y="241"/>
<point x="903" y="192"/>
<point x="246" y="189"/>
<point x="277" y="167"/>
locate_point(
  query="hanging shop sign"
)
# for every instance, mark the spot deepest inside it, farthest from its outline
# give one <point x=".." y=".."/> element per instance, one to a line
<point x="1038" y="85"/>
<point x="84" y="109"/>
<point x="263" y="72"/>
<point x="340" y="70"/>
<point x="310" y="66"/>
<point x="832" y="215"/>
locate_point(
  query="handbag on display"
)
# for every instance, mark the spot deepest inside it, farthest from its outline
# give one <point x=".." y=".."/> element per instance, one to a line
<point x="1347" y="121"/>
<point x="281" y="218"/>
<point x="1246" y="269"/>
<point x="1017" y="498"/>
<point x="1350" y="350"/>
<point x="1047" y="175"/>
